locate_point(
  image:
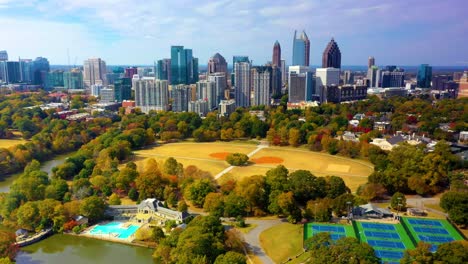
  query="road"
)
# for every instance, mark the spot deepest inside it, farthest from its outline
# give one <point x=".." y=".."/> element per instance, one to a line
<point x="253" y="238"/>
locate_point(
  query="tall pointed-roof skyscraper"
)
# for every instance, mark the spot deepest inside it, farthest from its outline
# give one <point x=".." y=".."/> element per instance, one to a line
<point x="301" y="50"/>
<point x="276" y="54"/>
<point x="331" y="55"/>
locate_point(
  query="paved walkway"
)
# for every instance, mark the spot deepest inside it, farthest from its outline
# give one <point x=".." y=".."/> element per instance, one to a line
<point x="228" y="169"/>
<point x="253" y="238"/>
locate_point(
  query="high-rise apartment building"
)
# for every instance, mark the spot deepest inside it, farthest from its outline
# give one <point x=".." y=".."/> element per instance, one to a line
<point x="180" y="95"/>
<point x="284" y="72"/>
<point x="55" y="79"/>
<point x="370" y="62"/>
<point x="276" y="81"/>
<point x="325" y="77"/>
<point x="234" y="60"/>
<point x="96" y="89"/>
<point x="151" y="94"/>
<point x="199" y="106"/>
<point x="107" y="94"/>
<point x="206" y="90"/>
<point x="276" y="60"/>
<point x="301" y="49"/>
<point x="424" y="76"/>
<point x="301" y="85"/>
<point x="373" y="76"/>
<point x="219" y="80"/>
<point x="242" y="83"/>
<point x="94" y="72"/>
<point x="123" y="89"/>
<point x="184" y="67"/>
<point x="463" y="86"/>
<point x="331" y="57"/>
<point x="261" y="82"/>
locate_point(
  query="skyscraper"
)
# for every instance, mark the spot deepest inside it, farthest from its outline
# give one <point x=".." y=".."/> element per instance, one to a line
<point x="331" y="55"/>
<point x="122" y="89"/>
<point x="424" y="76"/>
<point x="26" y="70"/>
<point x="180" y="95"/>
<point x="41" y="68"/>
<point x="242" y="83"/>
<point x="276" y="81"/>
<point x="261" y="82"/>
<point x="325" y="77"/>
<point x="217" y="63"/>
<point x="276" y="55"/>
<point x="370" y="62"/>
<point x="219" y="79"/>
<point x="392" y="78"/>
<point x="372" y="76"/>
<point x="348" y="77"/>
<point x="55" y="79"/>
<point x="184" y="67"/>
<point x="301" y="85"/>
<point x="284" y="73"/>
<point x="199" y="106"/>
<point x="3" y="55"/>
<point x="94" y="72"/>
<point x="151" y="94"/>
<point x="73" y="79"/>
<point x="10" y="71"/>
<point x="130" y="71"/>
<point x="163" y="71"/>
<point x="301" y="49"/>
<point x="206" y="90"/>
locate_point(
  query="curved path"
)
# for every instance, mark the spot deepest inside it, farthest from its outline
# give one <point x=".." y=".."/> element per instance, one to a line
<point x="252" y="239"/>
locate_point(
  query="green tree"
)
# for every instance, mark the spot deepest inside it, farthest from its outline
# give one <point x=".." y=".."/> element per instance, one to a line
<point x="277" y="179"/>
<point x="306" y="186"/>
<point x="92" y="207"/>
<point x="235" y="205"/>
<point x="452" y="253"/>
<point x="198" y="190"/>
<point x="8" y="248"/>
<point x="114" y="199"/>
<point x="237" y="159"/>
<point x="214" y="204"/>
<point x="398" y="201"/>
<point x="253" y="190"/>
<point x="336" y="187"/>
<point x="28" y="216"/>
<point x="172" y="167"/>
<point x="231" y="258"/>
<point x="421" y="254"/>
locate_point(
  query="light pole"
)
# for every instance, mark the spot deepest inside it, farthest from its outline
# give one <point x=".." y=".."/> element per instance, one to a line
<point x="315" y="213"/>
<point x="349" y="208"/>
<point x="399" y="206"/>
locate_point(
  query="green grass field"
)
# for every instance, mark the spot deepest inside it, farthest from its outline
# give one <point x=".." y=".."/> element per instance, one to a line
<point x="6" y="143"/>
<point x="282" y="241"/>
<point x="206" y="156"/>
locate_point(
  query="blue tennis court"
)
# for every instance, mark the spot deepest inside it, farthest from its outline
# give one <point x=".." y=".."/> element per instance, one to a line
<point x="424" y="222"/>
<point x="430" y="230"/>
<point x="378" y="226"/>
<point x="435" y="239"/>
<point x="338" y="229"/>
<point x="389" y="254"/>
<point x="389" y="235"/>
<point x="385" y="244"/>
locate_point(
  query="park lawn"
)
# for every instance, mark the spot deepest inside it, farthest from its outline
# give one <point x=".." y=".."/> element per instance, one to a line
<point x="6" y="143"/>
<point x="282" y="241"/>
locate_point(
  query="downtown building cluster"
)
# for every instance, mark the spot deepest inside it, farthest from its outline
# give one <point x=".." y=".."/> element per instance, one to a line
<point x="176" y="83"/>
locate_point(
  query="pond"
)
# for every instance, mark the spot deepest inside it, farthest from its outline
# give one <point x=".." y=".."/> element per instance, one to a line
<point x="77" y="250"/>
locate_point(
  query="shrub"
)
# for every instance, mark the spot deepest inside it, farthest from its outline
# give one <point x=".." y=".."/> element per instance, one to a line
<point x="237" y="159"/>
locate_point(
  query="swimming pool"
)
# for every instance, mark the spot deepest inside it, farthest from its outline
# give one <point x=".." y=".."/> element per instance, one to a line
<point x="115" y="229"/>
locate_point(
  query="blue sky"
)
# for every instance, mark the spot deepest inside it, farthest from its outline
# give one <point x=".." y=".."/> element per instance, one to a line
<point x="400" y="32"/>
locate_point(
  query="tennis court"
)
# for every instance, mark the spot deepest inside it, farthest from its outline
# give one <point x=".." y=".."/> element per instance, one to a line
<point x="431" y="230"/>
<point x="382" y="234"/>
<point x="385" y="244"/>
<point x="389" y="254"/>
<point x="377" y="226"/>
<point x="424" y="222"/>
<point x="336" y="231"/>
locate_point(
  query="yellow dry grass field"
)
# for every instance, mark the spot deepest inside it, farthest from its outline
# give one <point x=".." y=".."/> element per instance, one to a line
<point x="282" y="241"/>
<point x="6" y="143"/>
<point x="197" y="154"/>
<point x="205" y="157"/>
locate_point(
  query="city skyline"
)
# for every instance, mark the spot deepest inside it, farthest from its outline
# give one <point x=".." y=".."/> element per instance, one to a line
<point x="126" y="32"/>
